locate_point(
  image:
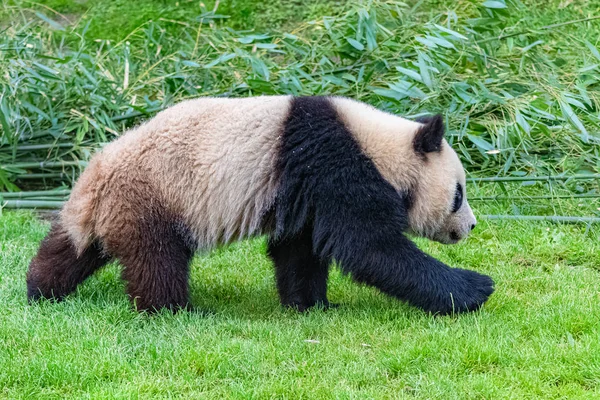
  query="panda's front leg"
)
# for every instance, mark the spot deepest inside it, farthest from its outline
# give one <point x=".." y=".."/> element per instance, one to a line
<point x="361" y="226"/>
<point x="301" y="276"/>
<point x="398" y="268"/>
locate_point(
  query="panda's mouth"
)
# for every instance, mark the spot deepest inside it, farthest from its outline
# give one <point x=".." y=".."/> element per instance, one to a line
<point x="451" y="237"/>
<point x="447" y="238"/>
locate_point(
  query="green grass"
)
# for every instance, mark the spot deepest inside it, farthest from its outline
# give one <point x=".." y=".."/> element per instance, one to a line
<point x="537" y="337"/>
<point x="520" y="96"/>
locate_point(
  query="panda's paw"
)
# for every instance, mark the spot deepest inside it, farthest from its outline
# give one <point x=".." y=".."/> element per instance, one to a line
<point x="465" y="291"/>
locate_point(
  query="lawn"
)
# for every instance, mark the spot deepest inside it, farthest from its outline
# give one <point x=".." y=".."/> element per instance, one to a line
<point x="537" y="337"/>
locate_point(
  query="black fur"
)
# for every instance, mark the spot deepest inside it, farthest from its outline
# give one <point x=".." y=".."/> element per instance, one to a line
<point x="156" y="263"/>
<point x="56" y="270"/>
<point x="301" y="275"/>
<point x="154" y="249"/>
<point x="332" y="192"/>
<point x="429" y="138"/>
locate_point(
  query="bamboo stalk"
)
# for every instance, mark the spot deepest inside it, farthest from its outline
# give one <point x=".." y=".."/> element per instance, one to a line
<point x="46" y="204"/>
<point x="566" y="196"/>
<point x="49" y="164"/>
<point x="533" y="178"/>
<point x="547" y="27"/>
<point x="575" y="21"/>
<point x="41" y="198"/>
<point x="23" y="195"/>
<point x="48" y="175"/>
<point x="151" y="110"/>
<point x="135" y="114"/>
<point x="31" y="147"/>
<point x="553" y="218"/>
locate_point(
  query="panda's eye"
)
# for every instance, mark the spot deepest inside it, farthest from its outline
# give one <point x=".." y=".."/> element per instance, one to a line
<point x="458" y="198"/>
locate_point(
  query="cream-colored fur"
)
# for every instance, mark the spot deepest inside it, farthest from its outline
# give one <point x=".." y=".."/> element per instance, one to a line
<point x="385" y="138"/>
<point x="431" y="215"/>
<point x="388" y="140"/>
<point x="210" y="161"/>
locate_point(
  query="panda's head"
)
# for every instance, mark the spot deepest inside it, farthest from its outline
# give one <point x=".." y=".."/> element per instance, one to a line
<point x="438" y="207"/>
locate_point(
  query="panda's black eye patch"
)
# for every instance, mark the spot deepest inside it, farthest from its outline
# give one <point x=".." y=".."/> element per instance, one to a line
<point x="458" y="198"/>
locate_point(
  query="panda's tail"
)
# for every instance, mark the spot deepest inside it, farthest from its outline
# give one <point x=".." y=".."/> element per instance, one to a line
<point x="79" y="214"/>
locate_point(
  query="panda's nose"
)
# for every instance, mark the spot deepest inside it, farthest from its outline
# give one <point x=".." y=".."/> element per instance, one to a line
<point x="472" y="226"/>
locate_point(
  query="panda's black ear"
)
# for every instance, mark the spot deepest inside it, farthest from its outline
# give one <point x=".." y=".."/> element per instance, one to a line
<point x="429" y="137"/>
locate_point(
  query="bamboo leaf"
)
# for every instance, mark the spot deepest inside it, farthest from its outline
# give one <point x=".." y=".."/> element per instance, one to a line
<point x="588" y="68"/>
<point x="522" y="122"/>
<point x="268" y="46"/>
<point x="190" y="63"/>
<point x="593" y="49"/>
<point x="4" y="121"/>
<point x="290" y="36"/>
<point x="451" y="32"/>
<point x="49" y="21"/>
<point x="408" y="90"/>
<point x="356" y="44"/>
<point x="260" y="68"/>
<point x="532" y="45"/>
<point x="441" y="42"/>
<point x="426" y="42"/>
<point x="424" y="71"/>
<point x="481" y="143"/>
<point x="409" y="72"/>
<point x="494" y="4"/>
<point x="251" y="38"/>
<point x="223" y="58"/>
<point x="389" y="93"/>
<point x="570" y="115"/>
<point x="574" y="102"/>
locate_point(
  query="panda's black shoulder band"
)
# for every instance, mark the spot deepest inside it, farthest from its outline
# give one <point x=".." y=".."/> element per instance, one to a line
<point x="331" y="189"/>
<point x="322" y="165"/>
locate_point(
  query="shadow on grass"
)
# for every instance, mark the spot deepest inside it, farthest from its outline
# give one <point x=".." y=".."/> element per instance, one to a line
<point x="224" y="297"/>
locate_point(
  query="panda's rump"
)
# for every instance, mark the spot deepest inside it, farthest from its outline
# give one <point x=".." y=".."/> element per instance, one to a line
<point x="114" y="192"/>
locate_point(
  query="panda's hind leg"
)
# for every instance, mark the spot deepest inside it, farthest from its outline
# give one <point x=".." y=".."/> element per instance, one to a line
<point x="300" y="275"/>
<point x="155" y="251"/>
<point x="57" y="268"/>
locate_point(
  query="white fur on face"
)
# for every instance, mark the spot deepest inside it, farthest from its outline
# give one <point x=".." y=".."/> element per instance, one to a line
<point x="431" y="215"/>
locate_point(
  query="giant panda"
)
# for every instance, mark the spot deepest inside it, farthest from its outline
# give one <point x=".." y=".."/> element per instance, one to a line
<point x="326" y="178"/>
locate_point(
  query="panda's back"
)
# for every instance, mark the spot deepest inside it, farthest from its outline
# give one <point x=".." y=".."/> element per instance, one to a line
<point x="209" y="162"/>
